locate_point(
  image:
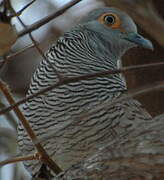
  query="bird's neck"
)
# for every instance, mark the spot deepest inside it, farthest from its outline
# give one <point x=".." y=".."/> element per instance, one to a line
<point x="98" y="54"/>
<point x="103" y="47"/>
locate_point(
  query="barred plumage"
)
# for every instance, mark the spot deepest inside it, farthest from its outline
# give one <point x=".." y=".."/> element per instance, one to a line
<point x="58" y="117"/>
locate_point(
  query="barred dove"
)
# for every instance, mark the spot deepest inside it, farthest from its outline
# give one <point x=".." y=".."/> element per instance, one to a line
<point x="59" y="117"/>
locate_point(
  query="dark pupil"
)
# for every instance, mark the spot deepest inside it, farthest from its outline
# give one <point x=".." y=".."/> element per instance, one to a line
<point x="109" y="19"/>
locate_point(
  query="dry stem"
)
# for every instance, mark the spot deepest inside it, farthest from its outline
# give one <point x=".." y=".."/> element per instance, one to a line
<point x="45" y="20"/>
<point x="131" y="94"/>
<point x="8" y="57"/>
<point x="36" y="45"/>
<point x="44" y="156"/>
<point x="80" y="78"/>
<point x="17" y="159"/>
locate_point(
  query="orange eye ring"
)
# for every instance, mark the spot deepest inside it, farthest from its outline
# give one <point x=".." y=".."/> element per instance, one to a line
<point x="110" y="20"/>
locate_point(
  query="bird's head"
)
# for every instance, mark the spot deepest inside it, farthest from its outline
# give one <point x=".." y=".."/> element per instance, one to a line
<point x="117" y="28"/>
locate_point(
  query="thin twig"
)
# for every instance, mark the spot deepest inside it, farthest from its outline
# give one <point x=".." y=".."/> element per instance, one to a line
<point x="129" y="95"/>
<point x="83" y="77"/>
<point x="8" y="57"/>
<point x="44" y="156"/>
<point x="37" y="47"/>
<point x="17" y="159"/>
<point x="3" y="62"/>
<point x="25" y="7"/>
<point x="8" y="7"/>
<point x="47" y="19"/>
<point x="20" y="51"/>
<point x="9" y="117"/>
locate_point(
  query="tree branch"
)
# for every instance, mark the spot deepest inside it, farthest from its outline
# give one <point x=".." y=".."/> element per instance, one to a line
<point x="44" y="156"/>
<point x="130" y="94"/>
<point x="45" y="20"/>
<point x="8" y="57"/>
<point x="83" y="77"/>
<point x="37" y="47"/>
<point x="18" y="159"/>
<point x="24" y="8"/>
<point x="9" y="117"/>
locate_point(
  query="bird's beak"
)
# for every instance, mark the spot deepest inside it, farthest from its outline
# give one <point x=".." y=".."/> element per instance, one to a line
<point x="139" y="40"/>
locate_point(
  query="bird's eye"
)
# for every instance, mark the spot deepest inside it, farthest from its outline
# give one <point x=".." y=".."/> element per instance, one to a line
<point x="109" y="19"/>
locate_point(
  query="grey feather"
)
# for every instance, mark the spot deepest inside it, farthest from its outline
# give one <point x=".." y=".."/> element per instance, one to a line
<point x="89" y="47"/>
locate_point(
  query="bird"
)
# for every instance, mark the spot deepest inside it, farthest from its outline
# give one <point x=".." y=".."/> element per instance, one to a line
<point x="59" y="116"/>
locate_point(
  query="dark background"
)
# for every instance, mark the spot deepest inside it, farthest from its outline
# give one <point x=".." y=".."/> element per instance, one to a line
<point x="153" y="101"/>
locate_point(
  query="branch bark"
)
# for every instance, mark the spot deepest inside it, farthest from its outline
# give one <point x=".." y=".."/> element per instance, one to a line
<point x="44" y="156"/>
<point x="80" y="78"/>
<point x="47" y="19"/>
<point x="17" y="159"/>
